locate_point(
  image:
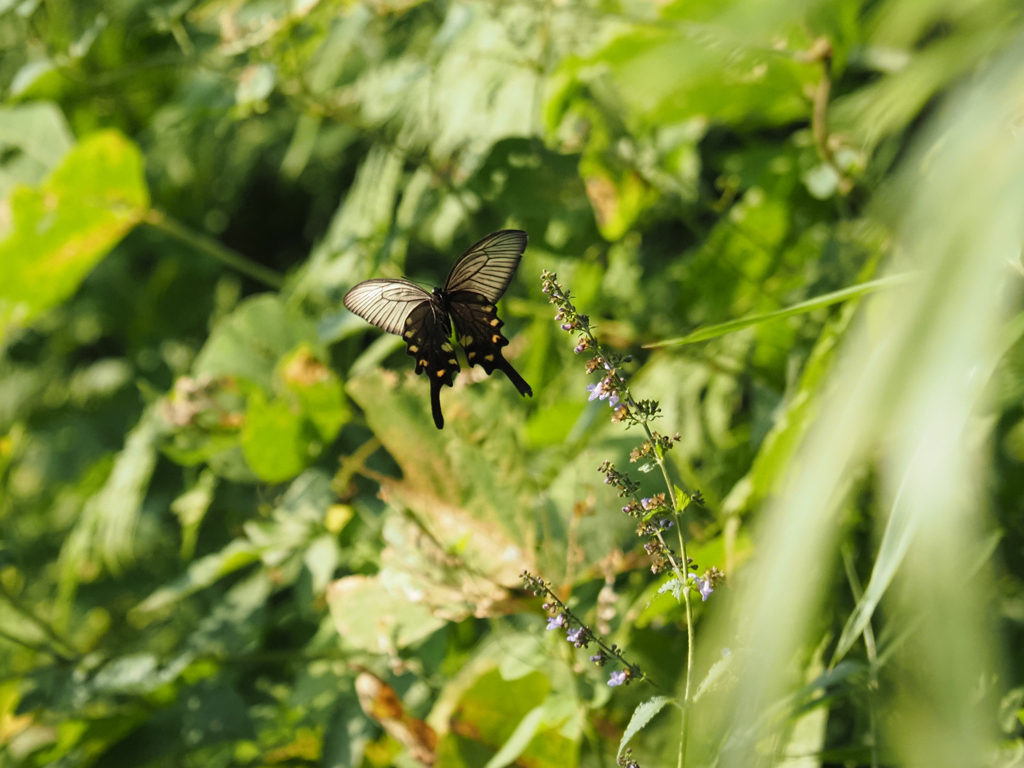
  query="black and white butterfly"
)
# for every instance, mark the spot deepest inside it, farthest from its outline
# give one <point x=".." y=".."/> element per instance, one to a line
<point x="477" y="280"/>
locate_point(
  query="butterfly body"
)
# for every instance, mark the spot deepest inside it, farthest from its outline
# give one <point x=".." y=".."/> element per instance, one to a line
<point x="466" y="302"/>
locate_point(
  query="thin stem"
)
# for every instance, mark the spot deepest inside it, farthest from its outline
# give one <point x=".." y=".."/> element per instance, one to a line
<point x="634" y="671"/>
<point x="62" y="647"/>
<point x="869" y="645"/>
<point x="822" y="52"/>
<point x="685" y="589"/>
<point x="23" y="643"/>
<point x="214" y="249"/>
<point x="680" y="572"/>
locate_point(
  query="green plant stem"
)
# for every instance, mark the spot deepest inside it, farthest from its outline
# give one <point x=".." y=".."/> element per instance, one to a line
<point x="214" y="249"/>
<point x="634" y="670"/>
<point x="680" y="572"/>
<point x="683" y="578"/>
<point x="23" y="643"/>
<point x="869" y="645"/>
<point x="60" y="646"/>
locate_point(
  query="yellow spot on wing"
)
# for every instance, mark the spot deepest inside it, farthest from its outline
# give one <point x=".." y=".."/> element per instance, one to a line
<point x="488" y="358"/>
<point x="488" y="307"/>
<point x="440" y="372"/>
<point x="423" y="363"/>
<point x="446" y="347"/>
<point x="451" y="362"/>
<point x="471" y="355"/>
<point x="410" y="334"/>
<point x="413" y="348"/>
<point x="494" y="338"/>
<point x="495" y="321"/>
<point x="467" y="340"/>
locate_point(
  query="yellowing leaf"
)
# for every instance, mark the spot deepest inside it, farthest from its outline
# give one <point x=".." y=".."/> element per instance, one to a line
<point x="60" y="230"/>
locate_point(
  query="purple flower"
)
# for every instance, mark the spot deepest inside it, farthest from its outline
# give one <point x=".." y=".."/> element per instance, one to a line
<point x="567" y="326"/>
<point x="703" y="586"/>
<point x="596" y="391"/>
<point x="616" y="678"/>
<point x="581" y="347"/>
<point x="599" y="658"/>
<point x="555" y="622"/>
<point x="576" y="636"/>
<point x="613" y="401"/>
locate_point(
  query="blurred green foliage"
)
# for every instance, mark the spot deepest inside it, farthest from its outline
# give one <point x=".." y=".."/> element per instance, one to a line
<point x="231" y="534"/>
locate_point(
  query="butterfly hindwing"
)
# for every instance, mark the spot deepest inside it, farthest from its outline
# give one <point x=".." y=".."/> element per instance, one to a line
<point x="478" y="330"/>
<point x="477" y="280"/>
<point x="427" y="335"/>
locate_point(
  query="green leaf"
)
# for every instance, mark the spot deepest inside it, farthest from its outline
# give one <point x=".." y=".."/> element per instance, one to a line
<point x="250" y="341"/>
<point x="642" y="715"/>
<point x="494" y="711"/>
<point x="272" y="440"/>
<point x="803" y="307"/>
<point x="60" y="230"/>
<point x="41" y="137"/>
<point x="317" y="390"/>
<point x="519" y="740"/>
<point x="201" y="574"/>
<point x="370" y="617"/>
<point x="713" y="677"/>
<point x="673" y="585"/>
<point x="105" y="532"/>
<point x="190" y="508"/>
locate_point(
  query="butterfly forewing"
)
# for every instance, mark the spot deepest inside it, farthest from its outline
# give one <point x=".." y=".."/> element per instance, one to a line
<point x="476" y="282"/>
<point x="386" y="303"/>
<point x="487" y="267"/>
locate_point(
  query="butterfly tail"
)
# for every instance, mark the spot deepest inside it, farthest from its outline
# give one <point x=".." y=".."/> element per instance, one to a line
<point x="513" y="375"/>
<point x="435" y="403"/>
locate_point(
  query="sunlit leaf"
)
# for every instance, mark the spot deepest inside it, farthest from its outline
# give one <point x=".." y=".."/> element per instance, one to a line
<point x="61" y="229"/>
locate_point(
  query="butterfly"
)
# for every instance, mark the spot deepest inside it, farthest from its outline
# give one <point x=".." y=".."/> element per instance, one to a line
<point x="475" y="283"/>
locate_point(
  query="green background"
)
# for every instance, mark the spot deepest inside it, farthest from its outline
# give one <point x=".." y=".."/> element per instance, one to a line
<point x="231" y="534"/>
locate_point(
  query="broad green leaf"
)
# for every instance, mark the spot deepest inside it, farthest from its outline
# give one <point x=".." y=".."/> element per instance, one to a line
<point x="287" y="430"/>
<point x="369" y="617"/>
<point x="818" y="302"/>
<point x="61" y="229"/>
<point x="519" y="740"/>
<point x="492" y="710"/>
<point x="272" y="439"/>
<point x="642" y="715"/>
<point x="668" y="76"/>
<point x="317" y="390"/>
<point x="251" y="341"/>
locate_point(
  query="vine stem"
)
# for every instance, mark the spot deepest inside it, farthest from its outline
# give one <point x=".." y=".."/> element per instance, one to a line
<point x="214" y="249"/>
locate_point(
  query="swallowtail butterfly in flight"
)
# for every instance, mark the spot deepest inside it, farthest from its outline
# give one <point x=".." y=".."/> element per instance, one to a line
<point x="477" y="280"/>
